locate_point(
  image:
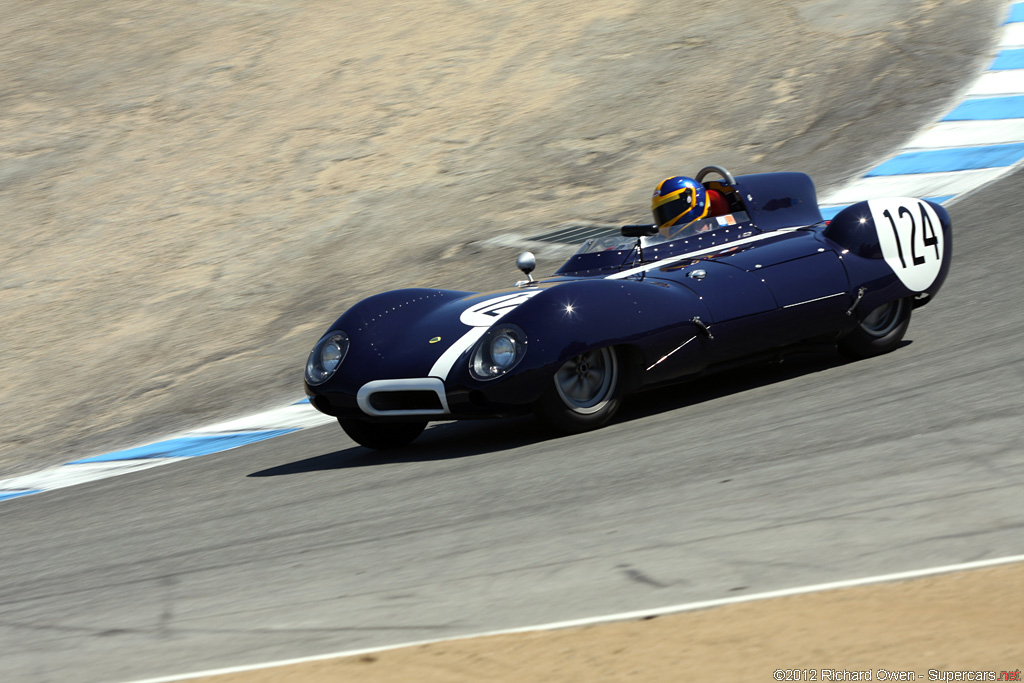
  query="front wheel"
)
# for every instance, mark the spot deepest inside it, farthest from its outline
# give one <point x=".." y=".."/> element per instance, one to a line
<point x="381" y="436"/>
<point x="879" y="332"/>
<point x="584" y="393"/>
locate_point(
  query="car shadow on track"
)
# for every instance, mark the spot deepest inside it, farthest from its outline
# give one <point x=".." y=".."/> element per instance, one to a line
<point x="727" y="383"/>
<point x="731" y="382"/>
<point x="441" y="441"/>
<point x="446" y="441"/>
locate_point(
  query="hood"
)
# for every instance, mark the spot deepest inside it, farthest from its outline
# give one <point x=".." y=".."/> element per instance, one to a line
<point x="418" y="332"/>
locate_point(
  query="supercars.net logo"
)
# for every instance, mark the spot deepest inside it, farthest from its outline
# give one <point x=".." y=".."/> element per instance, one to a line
<point x="893" y="675"/>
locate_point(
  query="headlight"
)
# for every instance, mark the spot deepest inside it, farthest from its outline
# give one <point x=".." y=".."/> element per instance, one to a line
<point x="326" y="356"/>
<point x="500" y="350"/>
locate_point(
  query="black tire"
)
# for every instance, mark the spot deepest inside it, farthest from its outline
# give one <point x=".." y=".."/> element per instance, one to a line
<point x="381" y="436"/>
<point x="584" y="393"/>
<point x="879" y="332"/>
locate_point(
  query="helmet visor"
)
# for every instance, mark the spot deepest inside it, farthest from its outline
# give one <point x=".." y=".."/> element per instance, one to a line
<point x="668" y="210"/>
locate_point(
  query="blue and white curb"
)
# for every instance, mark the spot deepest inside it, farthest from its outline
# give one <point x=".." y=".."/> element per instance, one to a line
<point x="213" y="439"/>
<point x="978" y="141"/>
<point x="975" y="143"/>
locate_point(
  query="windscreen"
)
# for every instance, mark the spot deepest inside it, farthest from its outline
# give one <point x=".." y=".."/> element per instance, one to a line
<point x="616" y="242"/>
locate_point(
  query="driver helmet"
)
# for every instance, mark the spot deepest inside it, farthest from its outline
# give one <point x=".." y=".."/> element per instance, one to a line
<point x="678" y="201"/>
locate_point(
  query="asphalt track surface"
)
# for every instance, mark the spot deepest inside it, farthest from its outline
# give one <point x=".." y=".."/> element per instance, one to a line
<point x="806" y="472"/>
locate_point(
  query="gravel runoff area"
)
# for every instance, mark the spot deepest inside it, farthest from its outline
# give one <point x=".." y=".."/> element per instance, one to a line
<point x="922" y="629"/>
<point x="191" y="192"/>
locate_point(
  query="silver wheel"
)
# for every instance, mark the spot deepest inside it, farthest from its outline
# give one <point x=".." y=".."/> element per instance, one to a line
<point x="587" y="382"/>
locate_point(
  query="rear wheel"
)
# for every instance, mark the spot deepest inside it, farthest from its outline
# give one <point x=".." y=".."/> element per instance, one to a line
<point x="584" y="393"/>
<point x="879" y="332"/>
<point x="381" y="435"/>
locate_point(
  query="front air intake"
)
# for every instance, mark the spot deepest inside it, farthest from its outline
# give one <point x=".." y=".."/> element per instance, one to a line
<point x="399" y="397"/>
<point x="392" y="401"/>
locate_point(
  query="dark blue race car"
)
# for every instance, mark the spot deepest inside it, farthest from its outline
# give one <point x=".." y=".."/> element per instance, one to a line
<point x="756" y="274"/>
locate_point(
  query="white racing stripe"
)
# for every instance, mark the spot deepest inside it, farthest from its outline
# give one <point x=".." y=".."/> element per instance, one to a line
<point x="444" y="364"/>
<point x="700" y="252"/>
<point x="621" y="616"/>
<point x="480" y="317"/>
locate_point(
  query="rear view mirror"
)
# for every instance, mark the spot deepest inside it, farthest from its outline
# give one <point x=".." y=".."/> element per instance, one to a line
<point x="639" y="230"/>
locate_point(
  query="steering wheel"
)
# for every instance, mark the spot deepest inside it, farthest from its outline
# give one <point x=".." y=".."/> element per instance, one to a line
<point x="704" y="172"/>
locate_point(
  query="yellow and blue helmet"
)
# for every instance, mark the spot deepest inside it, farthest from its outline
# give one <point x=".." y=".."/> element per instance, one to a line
<point x="678" y="201"/>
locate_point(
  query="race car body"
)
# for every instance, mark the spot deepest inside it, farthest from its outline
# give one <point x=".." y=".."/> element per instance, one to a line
<point x="765" y="276"/>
